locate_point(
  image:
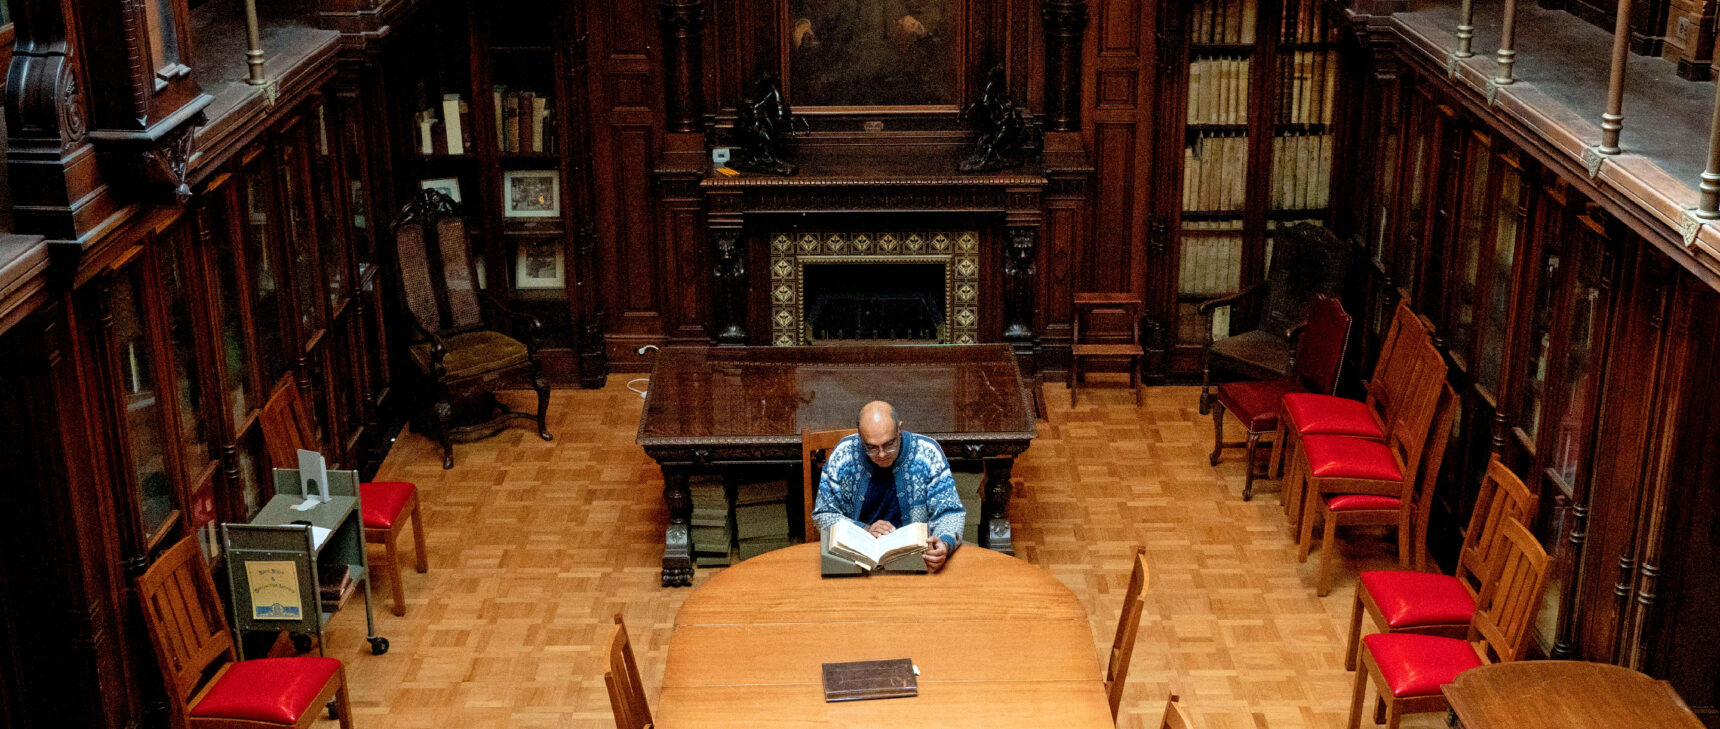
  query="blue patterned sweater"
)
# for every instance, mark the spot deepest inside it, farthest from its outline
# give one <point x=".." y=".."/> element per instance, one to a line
<point x="925" y="490"/>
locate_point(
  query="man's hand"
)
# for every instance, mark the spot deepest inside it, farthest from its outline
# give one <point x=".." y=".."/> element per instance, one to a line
<point x="935" y="554"/>
<point x="880" y="528"/>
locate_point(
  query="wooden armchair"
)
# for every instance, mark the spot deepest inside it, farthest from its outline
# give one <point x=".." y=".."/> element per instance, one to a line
<point x="815" y="448"/>
<point x="206" y="687"/>
<point x="621" y="675"/>
<point x="1307" y="260"/>
<point x="458" y="343"/>
<point x="1128" y="625"/>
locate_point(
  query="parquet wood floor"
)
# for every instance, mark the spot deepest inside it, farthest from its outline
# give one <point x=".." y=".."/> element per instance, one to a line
<point x="534" y="545"/>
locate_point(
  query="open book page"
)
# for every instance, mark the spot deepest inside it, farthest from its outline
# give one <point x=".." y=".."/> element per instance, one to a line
<point x="853" y="542"/>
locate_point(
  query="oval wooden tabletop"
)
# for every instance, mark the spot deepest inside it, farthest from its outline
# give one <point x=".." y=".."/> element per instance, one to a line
<point x="1565" y="695"/>
<point x="999" y="643"/>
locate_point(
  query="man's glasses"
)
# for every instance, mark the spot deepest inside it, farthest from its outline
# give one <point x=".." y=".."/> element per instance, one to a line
<point x="888" y="449"/>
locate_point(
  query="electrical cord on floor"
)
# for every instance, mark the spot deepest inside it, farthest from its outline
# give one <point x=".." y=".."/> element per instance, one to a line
<point x="646" y="387"/>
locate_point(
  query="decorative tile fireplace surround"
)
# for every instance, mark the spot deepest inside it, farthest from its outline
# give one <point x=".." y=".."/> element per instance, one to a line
<point x="957" y="252"/>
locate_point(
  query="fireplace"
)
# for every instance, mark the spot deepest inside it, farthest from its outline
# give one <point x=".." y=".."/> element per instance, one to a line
<point x="874" y="286"/>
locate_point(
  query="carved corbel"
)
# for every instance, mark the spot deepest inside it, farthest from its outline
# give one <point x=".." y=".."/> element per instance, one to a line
<point x="731" y="273"/>
<point x="170" y="159"/>
<point x="1018" y="270"/>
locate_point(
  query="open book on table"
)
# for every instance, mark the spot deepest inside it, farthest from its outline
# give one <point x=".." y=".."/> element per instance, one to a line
<point x="851" y="541"/>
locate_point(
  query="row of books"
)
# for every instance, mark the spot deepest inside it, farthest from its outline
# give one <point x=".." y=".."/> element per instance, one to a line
<point x="1215" y="170"/>
<point x="522" y="124"/>
<point x="1223" y="22"/>
<point x="761" y="518"/>
<point x="1218" y="91"/>
<point x="1303" y="22"/>
<point x="522" y="121"/>
<point x="1211" y="262"/>
<point x="334" y="585"/>
<point x="1307" y="87"/>
<point x="1301" y="171"/>
<point x="712" y="524"/>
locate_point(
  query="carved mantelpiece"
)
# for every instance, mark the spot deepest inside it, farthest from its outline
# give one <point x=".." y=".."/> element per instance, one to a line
<point x="856" y="184"/>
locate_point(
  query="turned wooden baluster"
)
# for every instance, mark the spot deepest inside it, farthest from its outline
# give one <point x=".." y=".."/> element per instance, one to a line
<point x="1465" y="29"/>
<point x="1613" y="119"/>
<point x="1507" y="54"/>
<point x="1708" y="205"/>
<point x="253" y="46"/>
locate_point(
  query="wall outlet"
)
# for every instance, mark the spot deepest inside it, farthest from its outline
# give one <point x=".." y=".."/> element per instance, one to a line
<point x="720" y="156"/>
<point x="1683" y="27"/>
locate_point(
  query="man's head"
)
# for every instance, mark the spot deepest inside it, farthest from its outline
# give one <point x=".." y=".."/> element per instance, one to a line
<point x="880" y="433"/>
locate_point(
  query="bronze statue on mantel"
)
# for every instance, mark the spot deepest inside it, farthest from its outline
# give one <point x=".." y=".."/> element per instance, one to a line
<point x="763" y="122"/>
<point x="997" y="119"/>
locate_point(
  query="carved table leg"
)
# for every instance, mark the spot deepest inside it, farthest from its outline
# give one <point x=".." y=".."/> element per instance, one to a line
<point x="995" y="508"/>
<point x="677" y="547"/>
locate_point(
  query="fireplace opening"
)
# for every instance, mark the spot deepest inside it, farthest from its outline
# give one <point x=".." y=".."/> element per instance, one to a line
<point x="893" y="302"/>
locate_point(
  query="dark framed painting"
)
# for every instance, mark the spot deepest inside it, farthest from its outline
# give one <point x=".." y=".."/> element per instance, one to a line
<point x="874" y="55"/>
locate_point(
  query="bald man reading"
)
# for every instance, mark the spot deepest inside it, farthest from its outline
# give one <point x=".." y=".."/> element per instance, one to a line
<point x="884" y="476"/>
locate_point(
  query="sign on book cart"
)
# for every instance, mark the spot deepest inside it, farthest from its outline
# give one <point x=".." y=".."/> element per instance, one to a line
<point x="274" y="590"/>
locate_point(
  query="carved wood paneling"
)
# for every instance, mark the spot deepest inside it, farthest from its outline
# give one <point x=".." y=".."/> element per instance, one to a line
<point x="1122" y="107"/>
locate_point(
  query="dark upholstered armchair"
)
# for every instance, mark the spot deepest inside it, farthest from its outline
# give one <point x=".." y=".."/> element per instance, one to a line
<point x="1307" y="260"/>
<point x="457" y="342"/>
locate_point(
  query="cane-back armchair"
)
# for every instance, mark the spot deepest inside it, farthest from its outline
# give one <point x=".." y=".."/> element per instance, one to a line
<point x="465" y="342"/>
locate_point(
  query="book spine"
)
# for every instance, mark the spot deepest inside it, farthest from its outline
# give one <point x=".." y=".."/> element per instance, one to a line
<point x="540" y="117"/>
<point x="451" y="124"/>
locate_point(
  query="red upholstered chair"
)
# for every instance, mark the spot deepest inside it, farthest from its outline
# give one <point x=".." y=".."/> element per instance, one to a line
<point x="1330" y="465"/>
<point x="384" y="506"/>
<point x="188" y="627"/>
<point x="1319" y="356"/>
<point x="1408" y="669"/>
<point x="1399" y="601"/>
<point x="1408" y="513"/>
<point x="1314" y="413"/>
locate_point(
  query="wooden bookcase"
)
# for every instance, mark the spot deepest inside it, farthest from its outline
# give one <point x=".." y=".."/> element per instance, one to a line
<point x="1257" y="102"/>
<point x="505" y="74"/>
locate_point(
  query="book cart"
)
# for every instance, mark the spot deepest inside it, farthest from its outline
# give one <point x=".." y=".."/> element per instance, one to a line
<point x="273" y="562"/>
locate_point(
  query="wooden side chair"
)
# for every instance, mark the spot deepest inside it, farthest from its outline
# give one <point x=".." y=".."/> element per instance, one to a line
<point x="1401" y="601"/>
<point x="1408" y="669"/>
<point x="1319" y="355"/>
<point x="385" y="507"/>
<point x="1106" y="326"/>
<point x="815" y="448"/>
<point x="1334" y="458"/>
<point x="1128" y="624"/>
<point x="1175" y="716"/>
<point x="1315" y="413"/>
<point x="1408" y="512"/>
<point x="626" y="691"/>
<point x="206" y="687"/>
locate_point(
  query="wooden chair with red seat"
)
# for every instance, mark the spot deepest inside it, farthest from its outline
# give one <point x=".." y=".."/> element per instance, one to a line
<point x="384" y="506"/>
<point x="1128" y="625"/>
<point x="1315" y="413"/>
<point x="1423" y="371"/>
<point x="1408" y="513"/>
<point x="1319" y="355"/>
<point x="188" y="627"/>
<point x="1408" y="669"/>
<point x="626" y="691"/>
<point x="1106" y="327"/>
<point x="815" y="448"/>
<point x="1175" y="716"/>
<point x="1401" y="601"/>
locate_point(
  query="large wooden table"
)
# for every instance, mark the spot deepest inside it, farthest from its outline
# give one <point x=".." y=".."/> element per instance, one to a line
<point x="1564" y="695"/>
<point x="710" y="408"/>
<point x="999" y="643"/>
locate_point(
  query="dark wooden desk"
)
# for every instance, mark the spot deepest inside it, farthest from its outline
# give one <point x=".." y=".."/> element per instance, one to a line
<point x="1564" y="695"/>
<point x="711" y="408"/>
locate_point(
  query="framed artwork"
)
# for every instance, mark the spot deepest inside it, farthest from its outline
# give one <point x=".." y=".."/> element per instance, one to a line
<point x="539" y="265"/>
<point x="449" y="186"/>
<point x="851" y="54"/>
<point x="531" y="194"/>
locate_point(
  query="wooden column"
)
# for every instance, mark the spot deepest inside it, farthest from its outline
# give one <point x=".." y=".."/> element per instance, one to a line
<point x="1612" y="120"/>
<point x="683" y="23"/>
<point x="588" y="344"/>
<point x="1065" y="20"/>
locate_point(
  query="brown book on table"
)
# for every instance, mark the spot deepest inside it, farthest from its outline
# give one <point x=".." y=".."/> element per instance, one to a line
<point x="858" y="680"/>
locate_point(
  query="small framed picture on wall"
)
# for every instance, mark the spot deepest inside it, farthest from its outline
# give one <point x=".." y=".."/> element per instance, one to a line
<point x="531" y="194"/>
<point x="449" y="186"/>
<point x="538" y="264"/>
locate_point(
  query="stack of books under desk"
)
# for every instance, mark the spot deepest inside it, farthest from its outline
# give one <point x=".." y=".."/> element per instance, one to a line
<point x="761" y="517"/>
<point x="968" y="487"/>
<point x="712" y="533"/>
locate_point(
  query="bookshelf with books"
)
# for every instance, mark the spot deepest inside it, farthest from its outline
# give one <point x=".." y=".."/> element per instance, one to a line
<point x="1257" y="147"/>
<point x="489" y="131"/>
